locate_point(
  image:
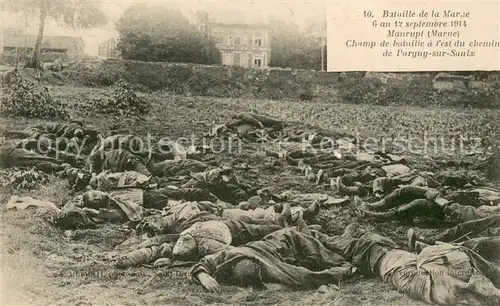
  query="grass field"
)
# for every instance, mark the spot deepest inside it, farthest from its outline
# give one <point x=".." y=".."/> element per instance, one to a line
<point x="34" y="254"/>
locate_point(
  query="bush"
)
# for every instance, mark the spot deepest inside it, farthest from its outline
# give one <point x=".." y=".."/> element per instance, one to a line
<point x="360" y="91"/>
<point x="88" y="76"/>
<point x="29" y="99"/>
<point x="487" y="97"/>
<point x="124" y="102"/>
<point x="420" y="91"/>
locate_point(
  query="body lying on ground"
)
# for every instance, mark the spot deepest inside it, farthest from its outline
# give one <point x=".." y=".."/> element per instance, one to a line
<point x="117" y="160"/>
<point x="123" y="205"/>
<point x="66" y="130"/>
<point x="287" y="256"/>
<point x="196" y="229"/>
<point x="443" y="274"/>
<point x="130" y="203"/>
<point x="124" y="152"/>
<point x="13" y="154"/>
<point x="483" y="227"/>
<point x="223" y="183"/>
<point x="488" y="246"/>
<point x="72" y="137"/>
<point x="409" y="202"/>
<point x="250" y="126"/>
<point x="115" y="143"/>
<point x="172" y="167"/>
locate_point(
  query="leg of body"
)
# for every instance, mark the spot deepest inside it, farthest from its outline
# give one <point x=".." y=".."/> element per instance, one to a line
<point x="25" y="158"/>
<point x="310" y="212"/>
<point x="243" y="233"/>
<point x="472" y="228"/>
<point x="363" y="250"/>
<point x="188" y="194"/>
<point x="398" y="197"/>
<point x="488" y="247"/>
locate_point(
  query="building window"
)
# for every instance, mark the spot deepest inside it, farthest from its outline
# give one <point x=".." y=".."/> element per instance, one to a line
<point x="229" y="40"/>
<point x="258" y="41"/>
<point x="257" y="60"/>
<point x="237" y="40"/>
<point x="237" y="59"/>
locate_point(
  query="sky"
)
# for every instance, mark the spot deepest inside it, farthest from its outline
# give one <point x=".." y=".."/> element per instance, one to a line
<point x="299" y="12"/>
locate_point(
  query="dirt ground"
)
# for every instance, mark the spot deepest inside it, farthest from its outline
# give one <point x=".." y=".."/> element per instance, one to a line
<point x="42" y="265"/>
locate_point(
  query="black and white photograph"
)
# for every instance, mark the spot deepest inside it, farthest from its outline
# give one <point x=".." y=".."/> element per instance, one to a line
<point x="249" y="152"/>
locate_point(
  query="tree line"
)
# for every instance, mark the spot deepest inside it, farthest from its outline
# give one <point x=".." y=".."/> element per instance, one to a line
<point x="155" y="33"/>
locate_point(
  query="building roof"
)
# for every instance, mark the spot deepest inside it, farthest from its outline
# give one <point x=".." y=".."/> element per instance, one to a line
<point x="238" y="18"/>
<point x="49" y="42"/>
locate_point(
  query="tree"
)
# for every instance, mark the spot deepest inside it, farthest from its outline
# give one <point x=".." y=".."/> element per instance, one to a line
<point x="155" y="33"/>
<point x="76" y="13"/>
<point x="293" y="48"/>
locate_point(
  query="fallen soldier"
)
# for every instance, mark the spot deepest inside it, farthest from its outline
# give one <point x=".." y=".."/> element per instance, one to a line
<point x="71" y="137"/>
<point x="78" y="179"/>
<point x="108" y="180"/>
<point x="168" y="168"/>
<point x="287" y="256"/>
<point x="202" y="234"/>
<point x="12" y="154"/>
<point x="196" y="230"/>
<point x="58" y="130"/>
<point x="443" y="274"/>
<point x="488" y="247"/>
<point x="261" y="121"/>
<point x="385" y="185"/>
<point x="115" y="143"/>
<point x="250" y="126"/>
<point x="122" y="205"/>
<point x="116" y="161"/>
<point x="222" y="182"/>
<point x="484" y="227"/>
<point x="182" y="215"/>
<point x="411" y="201"/>
<point x="331" y="162"/>
<point x="323" y="139"/>
<point x="305" y="200"/>
<point x="375" y="181"/>
<point x="297" y="212"/>
<point x="355" y="183"/>
<point x="160" y="158"/>
<point x="207" y="237"/>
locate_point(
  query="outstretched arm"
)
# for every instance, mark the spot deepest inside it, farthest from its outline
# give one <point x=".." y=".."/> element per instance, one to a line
<point x="208" y="282"/>
<point x="202" y="272"/>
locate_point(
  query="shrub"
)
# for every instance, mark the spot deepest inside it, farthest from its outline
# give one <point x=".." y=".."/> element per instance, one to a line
<point x="124" y="102"/>
<point x="487" y="97"/>
<point x="360" y="91"/>
<point x="29" y="99"/>
<point x="420" y="91"/>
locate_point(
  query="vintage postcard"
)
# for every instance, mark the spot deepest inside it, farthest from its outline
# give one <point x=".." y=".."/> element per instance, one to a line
<point x="224" y="152"/>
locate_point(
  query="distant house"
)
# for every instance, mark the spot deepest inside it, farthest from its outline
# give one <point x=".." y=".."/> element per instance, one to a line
<point x="245" y="43"/>
<point x="70" y="46"/>
<point x="107" y="49"/>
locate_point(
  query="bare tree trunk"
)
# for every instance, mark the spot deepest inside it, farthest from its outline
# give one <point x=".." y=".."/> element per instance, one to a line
<point x="35" y="61"/>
